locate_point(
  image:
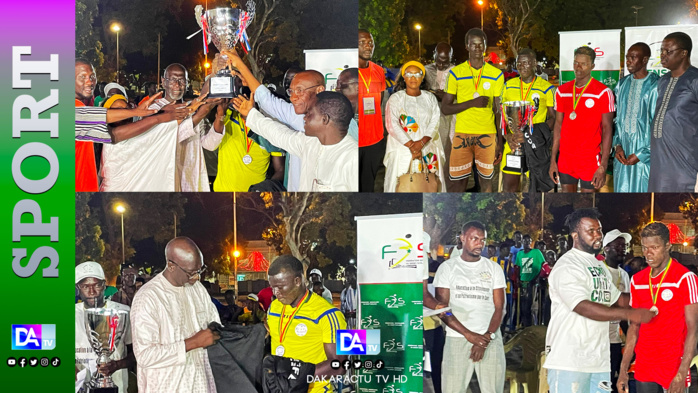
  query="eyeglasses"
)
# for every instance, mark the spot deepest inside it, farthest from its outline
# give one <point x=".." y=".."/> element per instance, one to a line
<point x="97" y="287"/>
<point x="666" y="52"/>
<point x="297" y="91"/>
<point x="413" y="74"/>
<point x="176" y="81"/>
<point x="190" y="275"/>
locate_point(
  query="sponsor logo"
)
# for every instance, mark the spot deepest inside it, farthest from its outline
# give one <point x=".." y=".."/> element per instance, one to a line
<point x="400" y="253"/>
<point x="394" y="302"/>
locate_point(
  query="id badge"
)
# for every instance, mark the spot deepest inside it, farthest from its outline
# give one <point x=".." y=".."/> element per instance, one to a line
<point x="369" y="106"/>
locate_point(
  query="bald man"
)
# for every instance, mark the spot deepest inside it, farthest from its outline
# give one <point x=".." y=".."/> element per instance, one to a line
<point x="169" y="157"/>
<point x="637" y="99"/>
<point x="169" y="319"/>
<point x="303" y="91"/>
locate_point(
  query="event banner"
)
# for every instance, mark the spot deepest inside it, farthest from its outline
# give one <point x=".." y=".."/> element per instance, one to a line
<point x="653" y="36"/>
<point x="38" y="178"/>
<point x="390" y="267"/>
<point x="606" y="44"/>
<point x="331" y="62"/>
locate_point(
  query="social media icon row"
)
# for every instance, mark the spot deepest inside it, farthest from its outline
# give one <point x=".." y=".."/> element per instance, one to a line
<point x="33" y="362"/>
<point x="357" y="364"/>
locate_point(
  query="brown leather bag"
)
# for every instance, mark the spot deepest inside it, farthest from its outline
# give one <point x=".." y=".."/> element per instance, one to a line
<point x="424" y="181"/>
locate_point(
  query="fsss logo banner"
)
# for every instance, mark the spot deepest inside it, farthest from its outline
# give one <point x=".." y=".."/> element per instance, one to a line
<point x="358" y="342"/>
<point x="36" y="337"/>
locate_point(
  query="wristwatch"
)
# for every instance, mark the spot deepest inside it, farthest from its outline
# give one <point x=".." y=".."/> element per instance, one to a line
<point x="492" y="335"/>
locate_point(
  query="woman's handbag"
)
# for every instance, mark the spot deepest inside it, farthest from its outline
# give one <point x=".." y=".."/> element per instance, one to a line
<point x="416" y="181"/>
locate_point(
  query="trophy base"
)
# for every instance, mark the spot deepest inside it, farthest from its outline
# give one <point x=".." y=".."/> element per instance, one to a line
<point x="221" y="87"/>
<point x="513" y="163"/>
<point x="103" y="390"/>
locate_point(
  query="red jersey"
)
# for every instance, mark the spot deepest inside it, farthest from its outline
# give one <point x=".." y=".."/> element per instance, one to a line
<point x="580" y="139"/>
<point x="371" y="85"/>
<point x="659" y="347"/>
<point x="85" y="164"/>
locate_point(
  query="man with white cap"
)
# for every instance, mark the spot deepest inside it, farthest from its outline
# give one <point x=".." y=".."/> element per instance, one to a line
<point x="583" y="300"/>
<point x="90" y="282"/>
<point x="665" y="346"/>
<point x="316" y="276"/>
<point x="615" y="245"/>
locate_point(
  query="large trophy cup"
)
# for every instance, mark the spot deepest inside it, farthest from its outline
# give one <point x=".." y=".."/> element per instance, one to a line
<point x="517" y="116"/>
<point x="105" y="329"/>
<point x="226" y="27"/>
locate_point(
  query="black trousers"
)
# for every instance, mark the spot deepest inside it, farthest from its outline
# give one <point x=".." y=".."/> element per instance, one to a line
<point x="434" y="341"/>
<point x="370" y="161"/>
<point x="526" y="301"/>
<point x="616" y="358"/>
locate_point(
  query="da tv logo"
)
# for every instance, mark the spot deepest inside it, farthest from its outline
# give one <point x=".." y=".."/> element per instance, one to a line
<point x="358" y="342"/>
<point x="41" y="337"/>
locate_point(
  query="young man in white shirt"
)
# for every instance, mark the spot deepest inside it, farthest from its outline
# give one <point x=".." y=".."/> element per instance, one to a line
<point x="474" y="288"/>
<point x="584" y="299"/>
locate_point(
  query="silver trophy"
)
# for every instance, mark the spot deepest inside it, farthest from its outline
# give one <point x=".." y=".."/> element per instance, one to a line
<point x="226" y="27"/>
<point x="105" y="329"/>
<point x="517" y="116"/>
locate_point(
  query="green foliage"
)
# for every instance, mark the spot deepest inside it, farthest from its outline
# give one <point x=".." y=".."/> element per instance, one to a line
<point x="384" y="19"/>
<point x="502" y="214"/>
<point x="87" y="43"/>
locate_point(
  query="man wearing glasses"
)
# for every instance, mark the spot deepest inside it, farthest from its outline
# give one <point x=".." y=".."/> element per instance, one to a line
<point x="303" y="92"/>
<point x="169" y="157"/>
<point x="169" y="322"/>
<point x="90" y="282"/>
<point x="674" y="144"/>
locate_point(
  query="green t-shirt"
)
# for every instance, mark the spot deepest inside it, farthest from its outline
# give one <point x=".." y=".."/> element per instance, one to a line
<point x="530" y="263"/>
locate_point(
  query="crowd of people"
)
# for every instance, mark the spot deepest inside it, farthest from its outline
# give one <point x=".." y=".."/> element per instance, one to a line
<point x="444" y="119"/>
<point x="179" y="328"/>
<point x="305" y="140"/>
<point x="607" y="312"/>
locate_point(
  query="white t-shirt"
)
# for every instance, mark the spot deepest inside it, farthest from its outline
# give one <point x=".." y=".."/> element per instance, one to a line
<point x="573" y="342"/>
<point x="621" y="280"/>
<point x="84" y="352"/>
<point x="471" y="285"/>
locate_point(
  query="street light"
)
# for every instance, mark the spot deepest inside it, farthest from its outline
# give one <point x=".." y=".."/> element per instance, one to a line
<point x="121" y="210"/>
<point x="637" y="8"/>
<point x="419" y="33"/>
<point x="116" y="28"/>
<point x="482" y="18"/>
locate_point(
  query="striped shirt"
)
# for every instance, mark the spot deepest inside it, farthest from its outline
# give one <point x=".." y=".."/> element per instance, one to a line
<point x="91" y="124"/>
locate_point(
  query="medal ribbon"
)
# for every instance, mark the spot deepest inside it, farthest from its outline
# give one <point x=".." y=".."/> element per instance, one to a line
<point x="524" y="97"/>
<point x="576" y="99"/>
<point x="248" y="141"/>
<point x="476" y="82"/>
<point x="364" y="79"/>
<point x="282" y="328"/>
<point x="659" y="286"/>
<point x="113" y="323"/>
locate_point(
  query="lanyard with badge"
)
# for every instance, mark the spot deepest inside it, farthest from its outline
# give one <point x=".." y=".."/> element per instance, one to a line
<point x="476" y="83"/>
<point x="280" y="350"/>
<point x="247" y="158"/>
<point x="654" y="296"/>
<point x="369" y="102"/>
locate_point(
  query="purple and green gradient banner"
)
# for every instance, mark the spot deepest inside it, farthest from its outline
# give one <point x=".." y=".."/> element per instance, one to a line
<point x="38" y="200"/>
